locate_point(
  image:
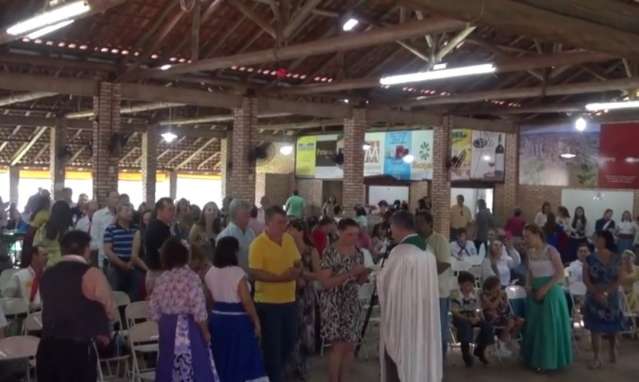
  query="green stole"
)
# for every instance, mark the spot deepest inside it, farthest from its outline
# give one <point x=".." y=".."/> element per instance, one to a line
<point x="416" y="240"/>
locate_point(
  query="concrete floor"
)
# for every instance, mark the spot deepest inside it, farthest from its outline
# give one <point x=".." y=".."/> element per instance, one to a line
<point x="626" y="369"/>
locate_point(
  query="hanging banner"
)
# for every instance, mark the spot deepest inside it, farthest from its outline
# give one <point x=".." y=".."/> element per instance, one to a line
<point x="327" y="148"/>
<point x="461" y="149"/>
<point x="619" y="155"/>
<point x="374" y="156"/>
<point x="422" y="150"/>
<point x="488" y="150"/>
<point x="305" y="156"/>
<point x="397" y="146"/>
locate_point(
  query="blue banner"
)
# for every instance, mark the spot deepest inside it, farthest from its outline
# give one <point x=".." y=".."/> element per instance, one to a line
<point x="397" y="146"/>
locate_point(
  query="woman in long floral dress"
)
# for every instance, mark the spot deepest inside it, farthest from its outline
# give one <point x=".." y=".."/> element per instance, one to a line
<point x="179" y="306"/>
<point x="306" y="297"/>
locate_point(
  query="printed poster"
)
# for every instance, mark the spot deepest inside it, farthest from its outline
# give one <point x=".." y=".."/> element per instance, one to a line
<point x="327" y="148"/>
<point x="374" y="156"/>
<point x="422" y="149"/>
<point x="305" y="156"/>
<point x="488" y="150"/>
<point x="461" y="153"/>
<point x="619" y="155"/>
<point x="397" y="145"/>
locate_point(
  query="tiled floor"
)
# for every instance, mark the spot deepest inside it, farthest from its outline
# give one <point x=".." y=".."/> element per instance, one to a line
<point x="627" y="369"/>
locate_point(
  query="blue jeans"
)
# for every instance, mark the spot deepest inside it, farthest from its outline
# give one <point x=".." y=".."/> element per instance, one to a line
<point x="279" y="332"/>
<point x="125" y="281"/>
<point x="444" y="306"/>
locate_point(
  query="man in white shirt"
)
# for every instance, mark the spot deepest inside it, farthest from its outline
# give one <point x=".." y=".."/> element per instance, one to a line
<point x="101" y="220"/>
<point x="576" y="268"/>
<point x="25" y="283"/>
<point x="240" y="215"/>
<point x="84" y="223"/>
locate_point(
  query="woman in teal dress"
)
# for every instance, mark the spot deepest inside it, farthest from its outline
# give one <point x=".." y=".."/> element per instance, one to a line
<point x="547" y="339"/>
<point x="602" y="312"/>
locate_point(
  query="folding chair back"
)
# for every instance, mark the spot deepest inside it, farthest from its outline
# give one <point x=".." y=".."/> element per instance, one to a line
<point x="14" y="306"/>
<point x="33" y="323"/>
<point x="143" y="337"/>
<point x="5" y="277"/>
<point x="136" y="312"/>
<point x="517" y="300"/>
<point x="121" y="298"/>
<point x="18" y="347"/>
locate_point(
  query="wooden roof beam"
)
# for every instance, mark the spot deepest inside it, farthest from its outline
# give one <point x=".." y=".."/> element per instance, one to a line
<point x="312" y="48"/>
<point x="299" y="18"/>
<point x="526" y="20"/>
<point x="207" y="160"/>
<point x="89" y="113"/>
<point x="195" y="153"/>
<point x="24" y="97"/>
<point x="251" y="15"/>
<point x="22" y="151"/>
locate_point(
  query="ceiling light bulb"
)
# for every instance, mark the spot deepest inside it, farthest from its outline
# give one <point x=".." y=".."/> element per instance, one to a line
<point x="165" y="67"/>
<point x="568" y="155"/>
<point x="169" y="137"/>
<point x="440" y="66"/>
<point x="49" y="29"/>
<point x="580" y="124"/>
<point x="486" y="158"/>
<point x="350" y="24"/>
<point x="438" y="74"/>
<point x="366" y="147"/>
<point x="597" y="106"/>
<point x="408" y="158"/>
<point x="50" y="17"/>
<point x="286" y="150"/>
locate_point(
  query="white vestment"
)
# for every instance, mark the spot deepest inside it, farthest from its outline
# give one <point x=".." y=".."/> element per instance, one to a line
<point x="410" y="330"/>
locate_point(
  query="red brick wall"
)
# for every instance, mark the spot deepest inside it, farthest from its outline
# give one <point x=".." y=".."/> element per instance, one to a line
<point x="417" y="191"/>
<point x="440" y="186"/>
<point x="56" y="164"/>
<point x="353" y="186"/>
<point x="105" y="166"/>
<point x="149" y="165"/>
<point x="242" y="179"/>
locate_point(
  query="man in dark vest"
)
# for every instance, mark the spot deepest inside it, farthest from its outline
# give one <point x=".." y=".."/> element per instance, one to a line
<point x="77" y="306"/>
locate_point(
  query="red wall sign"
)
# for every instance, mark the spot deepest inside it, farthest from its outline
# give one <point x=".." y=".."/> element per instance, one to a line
<point x="619" y="155"/>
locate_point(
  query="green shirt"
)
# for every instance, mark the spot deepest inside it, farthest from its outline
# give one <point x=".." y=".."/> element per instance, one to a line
<point x="441" y="249"/>
<point x="295" y="206"/>
<point x="415" y="240"/>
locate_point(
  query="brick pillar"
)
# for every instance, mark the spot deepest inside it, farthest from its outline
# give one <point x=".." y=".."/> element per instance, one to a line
<point x="105" y="165"/>
<point x="14" y="181"/>
<point x="56" y="161"/>
<point x="225" y="158"/>
<point x="149" y="164"/>
<point x="511" y="175"/>
<point x="173" y="184"/>
<point x="440" y="186"/>
<point x="242" y="179"/>
<point x="353" y="185"/>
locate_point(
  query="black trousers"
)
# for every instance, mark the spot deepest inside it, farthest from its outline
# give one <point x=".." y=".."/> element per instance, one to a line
<point x="66" y="360"/>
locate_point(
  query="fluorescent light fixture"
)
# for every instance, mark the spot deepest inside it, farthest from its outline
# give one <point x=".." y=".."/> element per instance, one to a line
<point x="350" y="24"/>
<point x="165" y="67"/>
<point x="580" y="124"/>
<point x="438" y="74"/>
<point x="567" y="155"/>
<point x="52" y="16"/>
<point x="169" y="137"/>
<point x="366" y="147"/>
<point x="286" y="150"/>
<point x="48" y="29"/>
<point x="408" y="158"/>
<point x="597" y="106"/>
<point x="486" y="158"/>
<point x="440" y="66"/>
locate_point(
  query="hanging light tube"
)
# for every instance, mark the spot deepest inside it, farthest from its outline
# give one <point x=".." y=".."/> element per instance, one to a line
<point x="598" y="106"/>
<point x="438" y="74"/>
<point x="48" y="29"/>
<point x="47" y="18"/>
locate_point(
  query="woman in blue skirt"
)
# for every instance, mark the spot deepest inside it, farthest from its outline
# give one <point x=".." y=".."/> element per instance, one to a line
<point x="234" y="324"/>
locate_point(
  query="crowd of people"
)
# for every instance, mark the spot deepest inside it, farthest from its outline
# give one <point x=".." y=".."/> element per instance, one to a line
<point x="247" y="293"/>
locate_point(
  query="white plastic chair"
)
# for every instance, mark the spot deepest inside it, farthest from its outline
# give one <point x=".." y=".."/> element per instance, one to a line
<point x="143" y="338"/>
<point x="5" y="277"/>
<point x="18" y="348"/>
<point x="33" y="323"/>
<point x="14" y="309"/>
<point x="136" y="311"/>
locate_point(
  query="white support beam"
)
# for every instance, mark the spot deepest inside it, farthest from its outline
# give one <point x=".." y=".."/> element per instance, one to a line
<point x="127" y="110"/>
<point x="24" y="97"/>
<point x="27" y="146"/>
<point x="207" y="160"/>
<point x="195" y="153"/>
<point x="299" y="18"/>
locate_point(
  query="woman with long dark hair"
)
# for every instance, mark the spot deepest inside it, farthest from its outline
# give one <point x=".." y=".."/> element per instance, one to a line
<point x="577" y="234"/>
<point x="48" y="236"/>
<point x="547" y="339"/>
<point x="625" y="232"/>
<point x="204" y="232"/>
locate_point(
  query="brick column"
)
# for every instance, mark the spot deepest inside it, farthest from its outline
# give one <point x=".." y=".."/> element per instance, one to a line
<point x="173" y="184"/>
<point x="14" y="181"/>
<point x="242" y="179"/>
<point x="56" y="161"/>
<point x="440" y="186"/>
<point x="353" y="185"/>
<point x="511" y="175"/>
<point x="149" y="165"/>
<point x="105" y="165"/>
<point x="225" y="158"/>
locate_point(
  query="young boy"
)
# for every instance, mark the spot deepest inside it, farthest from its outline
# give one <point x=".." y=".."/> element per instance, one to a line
<point x="465" y="307"/>
<point x="497" y="311"/>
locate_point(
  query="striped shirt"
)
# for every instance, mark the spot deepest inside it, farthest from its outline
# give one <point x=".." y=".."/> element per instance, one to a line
<point x="121" y="239"/>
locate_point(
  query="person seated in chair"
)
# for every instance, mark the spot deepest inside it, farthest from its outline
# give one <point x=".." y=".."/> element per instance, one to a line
<point x="462" y="248"/>
<point x="497" y="312"/>
<point x="465" y="307"/>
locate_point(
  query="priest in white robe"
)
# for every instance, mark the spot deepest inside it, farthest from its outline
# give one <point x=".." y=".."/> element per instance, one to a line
<point x="410" y="331"/>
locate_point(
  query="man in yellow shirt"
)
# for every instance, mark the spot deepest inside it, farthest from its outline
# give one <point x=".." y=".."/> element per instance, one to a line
<point x="274" y="264"/>
<point x="460" y="217"/>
